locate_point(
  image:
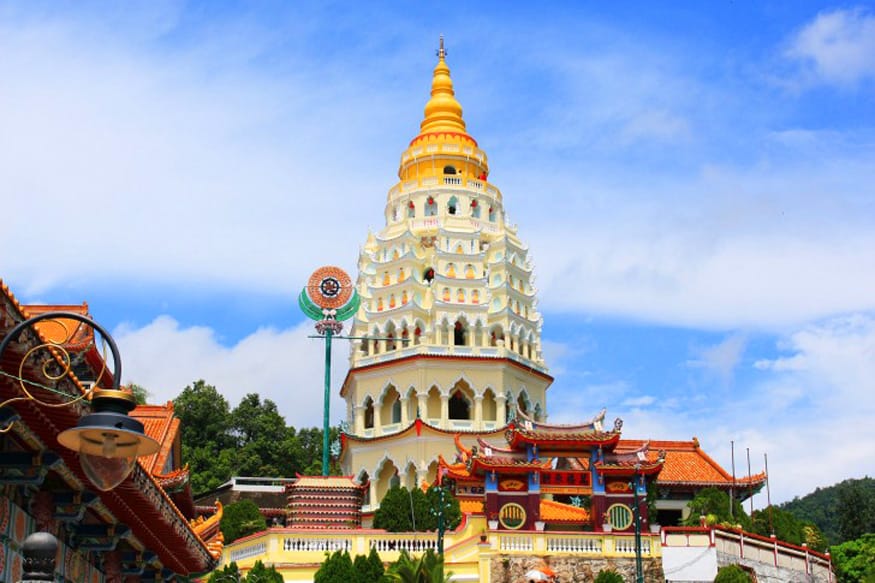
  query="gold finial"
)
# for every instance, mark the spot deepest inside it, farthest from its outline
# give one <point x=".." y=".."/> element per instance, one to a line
<point x="442" y="52"/>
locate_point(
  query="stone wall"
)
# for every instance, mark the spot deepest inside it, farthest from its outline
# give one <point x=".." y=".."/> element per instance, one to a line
<point x="512" y="569"/>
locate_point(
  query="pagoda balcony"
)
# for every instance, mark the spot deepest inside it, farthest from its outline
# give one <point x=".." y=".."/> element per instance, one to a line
<point x="440" y="350"/>
<point x="449" y="222"/>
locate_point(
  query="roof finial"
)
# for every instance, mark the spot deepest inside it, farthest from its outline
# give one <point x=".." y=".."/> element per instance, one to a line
<point x="442" y="52"/>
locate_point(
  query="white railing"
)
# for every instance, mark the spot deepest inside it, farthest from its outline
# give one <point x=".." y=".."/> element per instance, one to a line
<point x="515" y="543"/>
<point x="416" y="544"/>
<point x="249" y="551"/>
<point x="452" y="181"/>
<point x="574" y="545"/>
<point x="321" y="545"/>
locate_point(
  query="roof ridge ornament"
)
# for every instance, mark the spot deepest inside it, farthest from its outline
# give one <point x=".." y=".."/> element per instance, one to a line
<point x="441" y="52"/>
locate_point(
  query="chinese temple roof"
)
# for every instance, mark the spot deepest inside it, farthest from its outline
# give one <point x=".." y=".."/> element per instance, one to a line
<point x="686" y="464"/>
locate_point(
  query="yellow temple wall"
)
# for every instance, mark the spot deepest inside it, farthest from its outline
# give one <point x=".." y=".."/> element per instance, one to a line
<point x="468" y="551"/>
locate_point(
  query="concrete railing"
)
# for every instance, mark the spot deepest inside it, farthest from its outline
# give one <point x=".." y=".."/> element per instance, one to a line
<point x="751" y="548"/>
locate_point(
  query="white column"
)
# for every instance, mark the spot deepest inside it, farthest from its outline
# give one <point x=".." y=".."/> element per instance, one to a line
<point x="422" y="402"/>
<point x="404" y="416"/>
<point x="373" y="491"/>
<point x="478" y="411"/>
<point x="445" y="411"/>
<point x="359" y="423"/>
<point x="500" y="410"/>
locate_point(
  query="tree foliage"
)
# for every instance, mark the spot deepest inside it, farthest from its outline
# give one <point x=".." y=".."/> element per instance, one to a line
<point x="854" y="560"/>
<point x="842" y="512"/>
<point x="368" y="569"/>
<point x="241" y="519"/>
<point x="250" y="440"/>
<point x="786" y="527"/>
<point x="608" y="576"/>
<point x="713" y="504"/>
<point x="257" y="574"/>
<point x="404" y="510"/>
<point x="731" y="574"/>
<point x="337" y="568"/>
<point x="429" y="568"/>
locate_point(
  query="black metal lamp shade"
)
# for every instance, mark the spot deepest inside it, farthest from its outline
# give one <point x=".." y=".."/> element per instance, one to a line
<point x="108" y="440"/>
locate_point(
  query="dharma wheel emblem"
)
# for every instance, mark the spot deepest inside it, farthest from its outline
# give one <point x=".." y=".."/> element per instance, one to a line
<point x="329" y="288"/>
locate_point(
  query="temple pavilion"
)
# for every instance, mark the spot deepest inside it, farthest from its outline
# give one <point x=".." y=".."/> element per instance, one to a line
<point x="449" y="376"/>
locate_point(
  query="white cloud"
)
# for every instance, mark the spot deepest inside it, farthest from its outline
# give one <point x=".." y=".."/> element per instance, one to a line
<point x="811" y="411"/>
<point x="282" y="365"/>
<point x="837" y="47"/>
<point x="722" y="358"/>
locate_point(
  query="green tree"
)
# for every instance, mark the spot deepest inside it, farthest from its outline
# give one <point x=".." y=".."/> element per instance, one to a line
<point x="786" y="527"/>
<point x="854" y="560"/>
<point x="731" y="574"/>
<point x="427" y="569"/>
<point x="714" y="505"/>
<point x="207" y="442"/>
<point x="337" y="568"/>
<point x="856" y="510"/>
<point x="264" y="442"/>
<point x="394" y="513"/>
<point x="608" y="576"/>
<point x="241" y="519"/>
<point x="451" y="509"/>
<point x="261" y="574"/>
<point x="141" y="395"/>
<point x="229" y="573"/>
<point x="368" y="569"/>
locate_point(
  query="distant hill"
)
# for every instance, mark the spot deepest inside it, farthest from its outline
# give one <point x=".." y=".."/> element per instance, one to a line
<point x="842" y="511"/>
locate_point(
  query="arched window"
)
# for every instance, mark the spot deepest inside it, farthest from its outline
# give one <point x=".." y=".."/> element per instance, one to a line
<point x="452" y="205"/>
<point x="396" y="411"/>
<point x="459" y="333"/>
<point x="429" y="275"/>
<point x="491" y="215"/>
<point x="475" y="209"/>
<point x="459" y="408"/>
<point x="449" y="170"/>
<point x="417" y="334"/>
<point x="430" y="207"/>
<point x="369" y="414"/>
<point x="411" y="210"/>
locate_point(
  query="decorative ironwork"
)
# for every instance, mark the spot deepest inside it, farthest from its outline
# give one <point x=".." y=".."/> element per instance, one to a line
<point x="52" y="357"/>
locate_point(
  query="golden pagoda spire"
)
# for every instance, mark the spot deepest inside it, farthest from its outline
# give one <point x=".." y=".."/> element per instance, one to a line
<point x="443" y="113"/>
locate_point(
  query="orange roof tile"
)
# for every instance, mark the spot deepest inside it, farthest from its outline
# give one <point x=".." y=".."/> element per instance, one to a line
<point x="552" y="511"/>
<point x="687" y="463"/>
<point x="159" y="423"/>
<point x="471" y="506"/>
<point x="67" y="332"/>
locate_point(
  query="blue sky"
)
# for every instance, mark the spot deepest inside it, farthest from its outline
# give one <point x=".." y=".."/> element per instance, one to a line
<point x="695" y="184"/>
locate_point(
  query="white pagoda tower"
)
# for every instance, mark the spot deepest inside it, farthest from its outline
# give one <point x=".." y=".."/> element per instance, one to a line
<point x="449" y="306"/>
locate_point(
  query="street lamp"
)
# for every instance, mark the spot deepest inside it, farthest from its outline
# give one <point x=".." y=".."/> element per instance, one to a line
<point x="636" y="514"/>
<point x="108" y="440"/>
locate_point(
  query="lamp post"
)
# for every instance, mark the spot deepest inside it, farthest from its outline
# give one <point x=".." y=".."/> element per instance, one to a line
<point x="636" y="514"/>
<point x="107" y="439"/>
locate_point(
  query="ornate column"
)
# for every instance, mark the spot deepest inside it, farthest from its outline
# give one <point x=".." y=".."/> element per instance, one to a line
<point x="500" y="409"/>
<point x="445" y="410"/>
<point x="422" y="403"/>
<point x="359" y="423"/>
<point x="404" y="416"/>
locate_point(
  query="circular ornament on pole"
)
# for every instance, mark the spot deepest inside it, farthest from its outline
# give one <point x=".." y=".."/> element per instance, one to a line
<point x="329" y="287"/>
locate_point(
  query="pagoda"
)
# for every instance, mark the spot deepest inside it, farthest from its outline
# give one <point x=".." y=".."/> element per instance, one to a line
<point x="450" y="333"/>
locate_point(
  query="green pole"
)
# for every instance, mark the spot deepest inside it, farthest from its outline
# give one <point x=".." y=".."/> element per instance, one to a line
<point x="325" y="412"/>
<point x="639" y="570"/>
<point x="440" y="518"/>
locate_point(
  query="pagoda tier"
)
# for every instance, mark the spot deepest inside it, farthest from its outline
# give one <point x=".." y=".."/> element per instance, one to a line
<point x="325" y="502"/>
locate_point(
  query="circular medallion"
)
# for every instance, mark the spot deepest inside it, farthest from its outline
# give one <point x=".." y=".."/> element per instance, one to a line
<point x="329" y="287"/>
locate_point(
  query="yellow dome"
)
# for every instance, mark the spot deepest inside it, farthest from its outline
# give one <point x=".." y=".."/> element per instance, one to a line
<point x="443" y="113"/>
